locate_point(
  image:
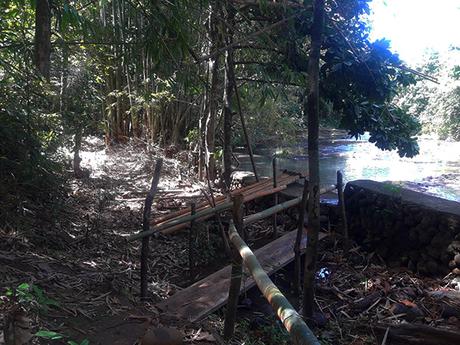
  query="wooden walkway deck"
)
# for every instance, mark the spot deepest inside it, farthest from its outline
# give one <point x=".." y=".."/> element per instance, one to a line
<point x="209" y="294"/>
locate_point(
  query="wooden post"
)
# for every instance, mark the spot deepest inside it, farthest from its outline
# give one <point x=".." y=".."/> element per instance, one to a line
<point x="312" y="112"/>
<point x="237" y="272"/>
<point x="342" y="209"/>
<point x="275" y="197"/>
<point x="146" y="226"/>
<point x="298" y="239"/>
<point x="191" y="236"/>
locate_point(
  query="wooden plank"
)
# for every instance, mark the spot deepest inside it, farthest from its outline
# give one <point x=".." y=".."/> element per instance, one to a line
<point x="209" y="294"/>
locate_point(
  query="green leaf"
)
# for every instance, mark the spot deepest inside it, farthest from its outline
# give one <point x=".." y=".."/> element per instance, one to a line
<point x="23" y="287"/>
<point x="49" y="335"/>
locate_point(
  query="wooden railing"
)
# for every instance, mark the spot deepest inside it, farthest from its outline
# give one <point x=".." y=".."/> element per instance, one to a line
<point x="299" y="331"/>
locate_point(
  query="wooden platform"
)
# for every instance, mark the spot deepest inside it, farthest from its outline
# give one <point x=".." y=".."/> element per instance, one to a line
<point x="211" y="293"/>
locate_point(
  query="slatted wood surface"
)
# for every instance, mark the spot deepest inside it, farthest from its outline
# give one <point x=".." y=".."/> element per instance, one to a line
<point x="209" y="294"/>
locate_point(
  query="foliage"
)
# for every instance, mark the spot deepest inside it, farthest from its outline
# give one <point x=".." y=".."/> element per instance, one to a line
<point x="437" y="106"/>
<point x="358" y="87"/>
<point x="51" y="335"/>
<point x="273" y="120"/>
<point x="29" y="168"/>
<point x="140" y="69"/>
<point x="31" y="297"/>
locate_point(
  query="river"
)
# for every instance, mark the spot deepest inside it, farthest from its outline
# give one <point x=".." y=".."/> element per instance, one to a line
<point x="435" y="171"/>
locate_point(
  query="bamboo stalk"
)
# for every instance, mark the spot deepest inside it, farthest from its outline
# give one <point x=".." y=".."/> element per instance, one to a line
<point x="146" y="226"/>
<point x="292" y="321"/>
<point x="219" y="199"/>
<point x="237" y="272"/>
<point x="271" y="211"/>
<point x="179" y="222"/>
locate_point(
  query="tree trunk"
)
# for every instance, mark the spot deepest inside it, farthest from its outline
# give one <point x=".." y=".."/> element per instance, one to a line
<point x="213" y="66"/>
<point x="228" y="93"/>
<point x="312" y="112"/>
<point x="42" y="42"/>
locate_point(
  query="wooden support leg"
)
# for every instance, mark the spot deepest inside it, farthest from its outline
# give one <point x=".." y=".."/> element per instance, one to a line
<point x="237" y="272"/>
<point x="342" y="210"/>
<point x="191" y="236"/>
<point x="298" y="240"/>
<point x="275" y="196"/>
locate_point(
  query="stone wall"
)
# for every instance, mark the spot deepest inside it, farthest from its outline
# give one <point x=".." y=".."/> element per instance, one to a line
<point x="404" y="227"/>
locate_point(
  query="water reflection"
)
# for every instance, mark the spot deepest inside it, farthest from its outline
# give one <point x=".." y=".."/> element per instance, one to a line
<point x="436" y="170"/>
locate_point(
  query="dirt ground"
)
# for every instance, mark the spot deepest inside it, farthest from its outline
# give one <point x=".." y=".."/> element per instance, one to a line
<point x="86" y="274"/>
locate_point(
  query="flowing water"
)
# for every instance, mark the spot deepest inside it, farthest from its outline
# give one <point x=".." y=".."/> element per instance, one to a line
<point x="436" y="170"/>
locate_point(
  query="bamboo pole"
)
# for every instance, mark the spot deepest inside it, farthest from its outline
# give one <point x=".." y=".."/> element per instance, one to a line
<point x="271" y="211"/>
<point x="292" y="321"/>
<point x="209" y="211"/>
<point x="275" y="197"/>
<point x="174" y="229"/>
<point x="146" y="226"/>
<point x="179" y="223"/>
<point x="280" y="207"/>
<point x="284" y="179"/>
<point x="298" y="239"/>
<point x="237" y="272"/>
